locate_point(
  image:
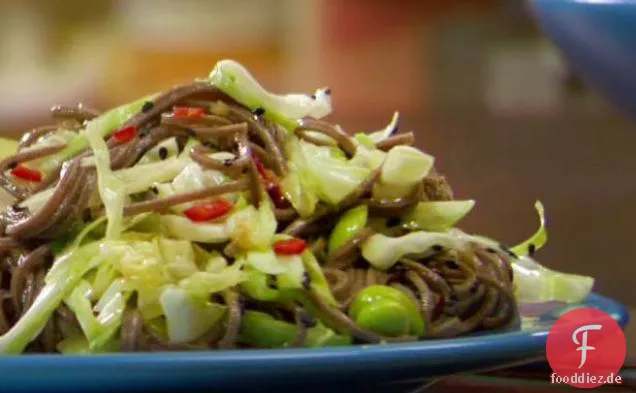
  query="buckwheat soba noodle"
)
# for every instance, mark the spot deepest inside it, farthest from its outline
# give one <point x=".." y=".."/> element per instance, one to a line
<point x="217" y="215"/>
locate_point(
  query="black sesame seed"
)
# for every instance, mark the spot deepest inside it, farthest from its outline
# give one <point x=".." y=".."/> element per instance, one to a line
<point x="437" y="248"/>
<point x="148" y="105"/>
<point x="228" y="162"/>
<point x="452" y="264"/>
<point x="207" y="144"/>
<point x="306" y="280"/>
<point x="259" y="111"/>
<point x="271" y="281"/>
<point x="214" y="298"/>
<point x="531" y="249"/>
<point x="181" y="141"/>
<point x="393" y="222"/>
<point x="307" y="320"/>
<point x="328" y="91"/>
<point x="313" y="96"/>
<point x="12" y="165"/>
<point x="163" y="153"/>
<point x="491" y="250"/>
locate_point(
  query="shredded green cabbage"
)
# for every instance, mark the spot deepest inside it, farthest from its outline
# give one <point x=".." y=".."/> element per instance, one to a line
<point x="181" y="227"/>
<point x="143" y="176"/>
<point x="103" y="278"/>
<point x="58" y="137"/>
<point x="77" y="344"/>
<point x="264" y="261"/>
<point x="194" y="178"/>
<point x="136" y="179"/>
<point x="233" y="79"/>
<point x="149" y="268"/>
<point x="36" y="201"/>
<point x="403" y="168"/>
<point x="370" y="158"/>
<point x="111" y="189"/>
<point x="66" y="272"/>
<point x="292" y="277"/>
<point x="108" y="123"/>
<point x="186" y="176"/>
<point x="100" y="329"/>
<point x="251" y="228"/>
<point x="317" y="174"/>
<point x="382" y="251"/>
<point x="317" y="277"/>
<point x="188" y="318"/>
<point x="379" y="136"/>
<point x="536" y="241"/>
<point x="201" y="284"/>
<point x="289" y="269"/>
<point x="179" y="257"/>
<point x="210" y="261"/>
<point x="333" y="178"/>
<point x="437" y="216"/>
<point x="299" y="186"/>
<point x="537" y="284"/>
<point x="170" y="146"/>
<point x="172" y="267"/>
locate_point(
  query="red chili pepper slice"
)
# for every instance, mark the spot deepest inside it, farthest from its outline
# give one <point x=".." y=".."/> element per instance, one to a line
<point x="439" y="307"/>
<point x="290" y="247"/>
<point x="267" y="175"/>
<point x="207" y="211"/>
<point x="185" y="111"/>
<point x="24" y="173"/>
<point x="276" y="194"/>
<point x="125" y="134"/>
<point x="271" y="184"/>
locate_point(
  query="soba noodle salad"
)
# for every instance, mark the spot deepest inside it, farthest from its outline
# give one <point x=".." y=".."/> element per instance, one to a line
<point x="218" y="215"/>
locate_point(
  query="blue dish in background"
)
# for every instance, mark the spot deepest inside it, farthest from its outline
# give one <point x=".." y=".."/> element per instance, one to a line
<point x="395" y="367"/>
<point x="598" y="38"/>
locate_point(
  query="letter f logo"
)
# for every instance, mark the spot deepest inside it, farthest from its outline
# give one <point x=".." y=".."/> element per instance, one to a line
<point x="584" y="347"/>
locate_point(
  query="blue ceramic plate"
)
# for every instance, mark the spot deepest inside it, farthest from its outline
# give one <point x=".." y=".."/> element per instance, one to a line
<point x="371" y="367"/>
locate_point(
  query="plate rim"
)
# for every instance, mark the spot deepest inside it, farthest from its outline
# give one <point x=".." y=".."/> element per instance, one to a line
<point x="522" y="343"/>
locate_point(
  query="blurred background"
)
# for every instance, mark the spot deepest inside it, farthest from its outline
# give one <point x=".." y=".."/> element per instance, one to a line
<point x="483" y="90"/>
